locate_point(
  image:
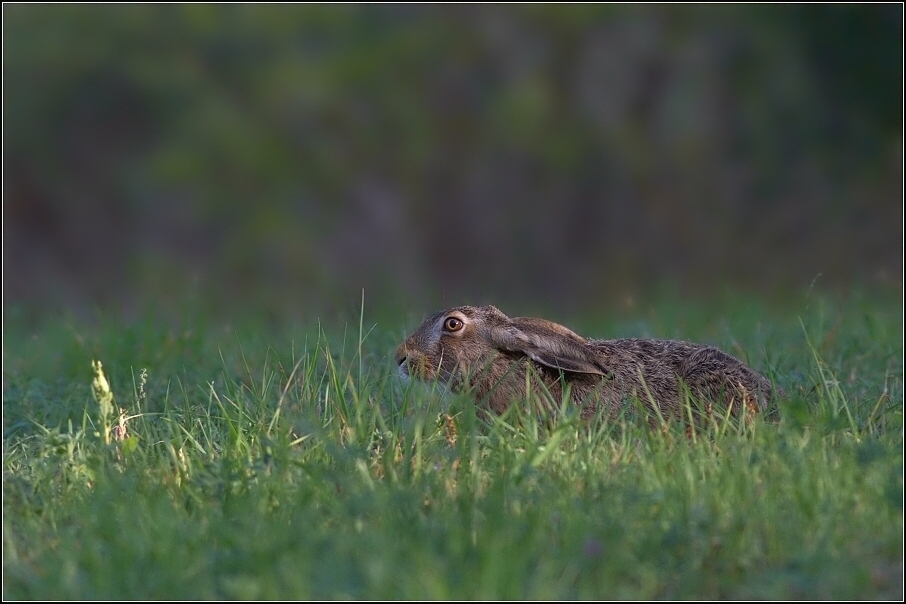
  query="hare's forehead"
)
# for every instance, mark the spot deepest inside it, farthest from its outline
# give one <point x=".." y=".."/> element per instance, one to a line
<point x="485" y="313"/>
<point x="430" y="328"/>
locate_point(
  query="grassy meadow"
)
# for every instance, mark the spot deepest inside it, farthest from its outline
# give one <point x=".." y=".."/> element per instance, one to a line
<point x="286" y="461"/>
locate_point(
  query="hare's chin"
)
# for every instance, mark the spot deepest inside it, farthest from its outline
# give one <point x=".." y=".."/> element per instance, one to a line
<point x="402" y="373"/>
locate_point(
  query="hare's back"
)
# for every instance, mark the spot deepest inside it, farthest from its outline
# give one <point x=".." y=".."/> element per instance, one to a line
<point x="647" y="352"/>
<point x="687" y="361"/>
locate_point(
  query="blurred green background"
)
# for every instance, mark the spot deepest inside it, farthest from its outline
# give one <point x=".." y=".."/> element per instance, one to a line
<point x="281" y="158"/>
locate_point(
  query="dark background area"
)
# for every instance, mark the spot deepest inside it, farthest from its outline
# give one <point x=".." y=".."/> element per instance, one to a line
<point x="277" y="158"/>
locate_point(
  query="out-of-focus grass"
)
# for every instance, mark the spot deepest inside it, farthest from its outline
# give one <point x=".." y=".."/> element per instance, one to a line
<point x="290" y="464"/>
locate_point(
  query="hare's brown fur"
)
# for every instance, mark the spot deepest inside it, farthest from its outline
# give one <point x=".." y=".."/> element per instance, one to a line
<point x="496" y="358"/>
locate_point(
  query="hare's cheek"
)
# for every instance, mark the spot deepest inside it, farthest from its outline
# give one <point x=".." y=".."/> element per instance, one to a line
<point x="426" y="372"/>
<point x="449" y="368"/>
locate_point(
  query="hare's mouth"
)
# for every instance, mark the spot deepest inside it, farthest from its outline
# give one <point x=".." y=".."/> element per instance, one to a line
<point x="402" y="370"/>
<point x="409" y="368"/>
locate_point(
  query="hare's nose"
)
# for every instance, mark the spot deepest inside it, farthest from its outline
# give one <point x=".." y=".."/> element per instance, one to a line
<point x="400" y="354"/>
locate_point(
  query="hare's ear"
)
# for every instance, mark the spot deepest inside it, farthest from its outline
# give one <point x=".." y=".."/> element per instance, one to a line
<point x="555" y="350"/>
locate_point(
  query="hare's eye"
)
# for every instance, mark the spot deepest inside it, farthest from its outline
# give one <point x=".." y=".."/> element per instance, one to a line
<point x="452" y="324"/>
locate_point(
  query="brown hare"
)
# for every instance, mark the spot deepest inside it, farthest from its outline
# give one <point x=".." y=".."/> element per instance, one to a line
<point x="478" y="349"/>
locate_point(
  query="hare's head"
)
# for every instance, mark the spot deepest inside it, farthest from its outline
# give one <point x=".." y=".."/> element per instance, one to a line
<point x="460" y="343"/>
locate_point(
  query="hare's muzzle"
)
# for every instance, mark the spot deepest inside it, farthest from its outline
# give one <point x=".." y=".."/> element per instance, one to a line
<point x="400" y="357"/>
<point x="411" y="364"/>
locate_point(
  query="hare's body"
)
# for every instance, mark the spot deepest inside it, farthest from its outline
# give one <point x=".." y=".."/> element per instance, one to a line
<point x="496" y="358"/>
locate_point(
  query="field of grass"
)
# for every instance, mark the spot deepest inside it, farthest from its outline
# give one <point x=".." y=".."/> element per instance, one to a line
<point x="262" y="461"/>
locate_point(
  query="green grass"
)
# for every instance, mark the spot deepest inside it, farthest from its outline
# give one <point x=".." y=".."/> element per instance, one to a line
<point x="288" y="463"/>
